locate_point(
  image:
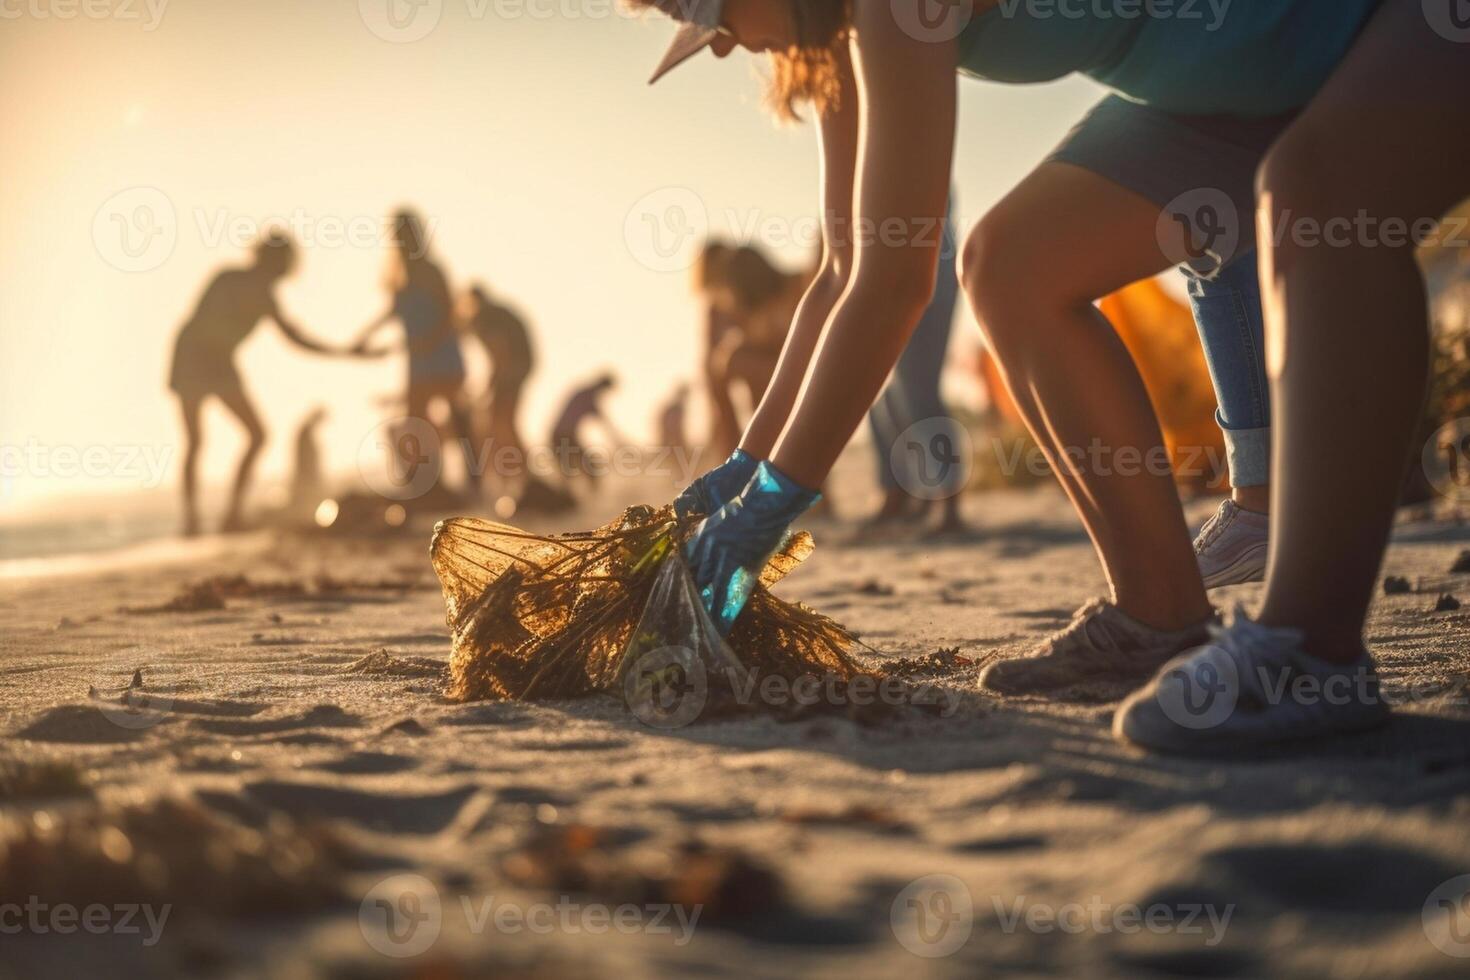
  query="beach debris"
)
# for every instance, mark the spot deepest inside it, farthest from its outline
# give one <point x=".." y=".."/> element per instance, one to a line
<point x="945" y="660"/>
<point x="853" y="815"/>
<point x="212" y="593"/>
<point x="1461" y="565"/>
<point x="1396" y="585"/>
<point x="169" y="850"/>
<point x="873" y="587"/>
<point x="728" y="884"/>
<point x="381" y="663"/>
<point x="1446" y="603"/>
<point x="541" y="617"/>
<point x="40" y="780"/>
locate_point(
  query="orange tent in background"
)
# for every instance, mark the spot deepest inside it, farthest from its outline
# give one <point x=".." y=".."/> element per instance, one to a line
<point x="1159" y="332"/>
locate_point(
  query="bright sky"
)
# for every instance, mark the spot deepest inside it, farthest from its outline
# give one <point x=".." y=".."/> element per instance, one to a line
<point x="522" y="129"/>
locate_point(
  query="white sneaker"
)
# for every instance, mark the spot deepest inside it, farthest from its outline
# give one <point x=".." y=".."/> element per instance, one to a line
<point x="1231" y="547"/>
<point x="1250" y="686"/>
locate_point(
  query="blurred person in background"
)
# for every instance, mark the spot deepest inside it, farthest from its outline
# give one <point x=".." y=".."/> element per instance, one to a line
<point x="749" y="304"/>
<point x="419" y="299"/>
<point x="507" y="342"/>
<point x="203" y="366"/>
<point x="583" y="405"/>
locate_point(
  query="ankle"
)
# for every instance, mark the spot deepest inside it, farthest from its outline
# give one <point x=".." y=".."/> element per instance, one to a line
<point x="1165" y="617"/>
<point x="1254" y="499"/>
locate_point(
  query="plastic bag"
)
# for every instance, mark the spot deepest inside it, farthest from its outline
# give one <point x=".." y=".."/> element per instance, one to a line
<point x="614" y="610"/>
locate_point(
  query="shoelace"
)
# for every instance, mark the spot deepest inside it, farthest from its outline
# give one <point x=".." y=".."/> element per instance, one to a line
<point x="1215" y="526"/>
<point x="1082" y="629"/>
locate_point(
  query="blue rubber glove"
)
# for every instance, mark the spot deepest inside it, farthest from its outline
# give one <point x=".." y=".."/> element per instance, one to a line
<point x="717" y="487"/>
<point x="731" y="546"/>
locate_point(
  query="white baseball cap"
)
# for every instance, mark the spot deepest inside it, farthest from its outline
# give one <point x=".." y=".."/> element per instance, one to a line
<point x="699" y="24"/>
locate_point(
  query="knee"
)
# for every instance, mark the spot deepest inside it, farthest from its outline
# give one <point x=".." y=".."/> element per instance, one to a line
<point x="1000" y="275"/>
<point x="1311" y="198"/>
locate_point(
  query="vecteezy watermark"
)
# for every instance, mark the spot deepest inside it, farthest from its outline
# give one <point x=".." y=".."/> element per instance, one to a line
<point x="401" y="21"/>
<point x="933" y="458"/>
<point x="665" y="228"/>
<point x="669" y="688"/>
<point x="142" y="465"/>
<point x="1366" y="230"/>
<point x="402" y="459"/>
<point x="1205" y="691"/>
<point x="407" y="21"/>
<point x="932" y="20"/>
<point x="1449" y="18"/>
<point x="1211" y="13"/>
<point x="149" y="13"/>
<point x="933" y="916"/>
<point x="1200" y="230"/>
<point x="1446" y="460"/>
<point x="1100" y="917"/>
<point x="136" y="229"/>
<point x="402" y="916"/>
<point x="1100" y="459"/>
<point x="134" y="698"/>
<point x="37" y="917"/>
<point x="1446" y="917"/>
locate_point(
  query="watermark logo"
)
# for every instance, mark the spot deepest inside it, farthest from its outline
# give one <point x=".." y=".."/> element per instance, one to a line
<point x="1200" y="229"/>
<point x="1202" y="691"/>
<point x="136" y="230"/>
<point x="1446" y="460"/>
<point x="135" y="699"/>
<point x="1446" y="917"/>
<point x="149" y="13"/>
<point x="933" y="458"/>
<point x="932" y="20"/>
<point x="39" y="918"/>
<point x="664" y="228"/>
<point x="933" y="916"/>
<point x="401" y="916"/>
<point x="1449" y="18"/>
<point x="667" y="688"/>
<point x="1101" y="917"/>
<point x="401" y="21"/>
<point x="411" y="451"/>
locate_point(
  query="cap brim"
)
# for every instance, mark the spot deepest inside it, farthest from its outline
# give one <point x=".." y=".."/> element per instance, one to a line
<point x="691" y="39"/>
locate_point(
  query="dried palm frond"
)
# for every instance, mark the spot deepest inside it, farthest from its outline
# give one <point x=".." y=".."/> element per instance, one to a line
<point x="535" y="617"/>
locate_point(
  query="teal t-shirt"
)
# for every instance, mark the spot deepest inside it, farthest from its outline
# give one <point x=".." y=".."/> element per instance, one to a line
<point x="1192" y="57"/>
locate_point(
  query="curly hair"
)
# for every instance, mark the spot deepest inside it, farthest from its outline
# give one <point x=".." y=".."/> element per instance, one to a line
<point x="805" y="73"/>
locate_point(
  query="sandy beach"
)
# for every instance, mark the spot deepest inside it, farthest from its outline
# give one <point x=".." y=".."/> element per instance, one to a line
<point x="285" y="769"/>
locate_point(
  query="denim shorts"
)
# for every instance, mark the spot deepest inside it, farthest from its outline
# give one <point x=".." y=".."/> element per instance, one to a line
<point x="1193" y="162"/>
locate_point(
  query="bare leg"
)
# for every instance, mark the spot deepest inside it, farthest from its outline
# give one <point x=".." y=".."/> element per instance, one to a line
<point x="239" y="403"/>
<point x="1032" y="269"/>
<point x="193" y="438"/>
<point x="1257" y="499"/>
<point x="1346" y="323"/>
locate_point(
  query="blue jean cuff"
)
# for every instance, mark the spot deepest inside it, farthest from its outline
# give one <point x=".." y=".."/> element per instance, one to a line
<point x="1248" y="453"/>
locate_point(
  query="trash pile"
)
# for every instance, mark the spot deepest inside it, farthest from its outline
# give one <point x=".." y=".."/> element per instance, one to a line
<point x="536" y="617"/>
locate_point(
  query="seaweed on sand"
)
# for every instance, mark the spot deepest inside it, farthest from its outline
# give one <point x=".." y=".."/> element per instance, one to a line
<point x="541" y="617"/>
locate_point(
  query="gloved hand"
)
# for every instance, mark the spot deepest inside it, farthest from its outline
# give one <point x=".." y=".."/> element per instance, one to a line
<point x="717" y="487"/>
<point x="731" y="546"/>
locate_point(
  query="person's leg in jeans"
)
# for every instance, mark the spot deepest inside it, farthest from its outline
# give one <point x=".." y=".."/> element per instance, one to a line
<point x="1232" y="546"/>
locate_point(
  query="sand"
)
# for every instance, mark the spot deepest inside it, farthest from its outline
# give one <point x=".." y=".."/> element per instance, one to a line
<point x="288" y="759"/>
